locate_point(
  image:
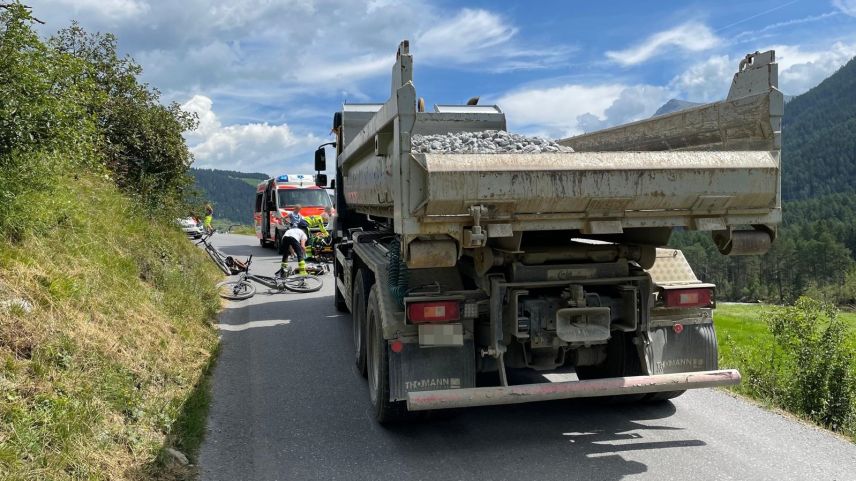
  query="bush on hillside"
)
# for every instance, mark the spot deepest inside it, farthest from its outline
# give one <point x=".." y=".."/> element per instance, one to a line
<point x="142" y="139"/>
<point x="107" y="367"/>
<point x="73" y="105"/>
<point x="809" y="370"/>
<point x="44" y="126"/>
<point x="815" y="365"/>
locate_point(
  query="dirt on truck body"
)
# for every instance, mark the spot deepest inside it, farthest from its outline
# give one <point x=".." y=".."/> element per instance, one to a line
<point x="504" y="277"/>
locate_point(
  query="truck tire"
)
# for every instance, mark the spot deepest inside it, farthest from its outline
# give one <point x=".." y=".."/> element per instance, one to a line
<point x="656" y="397"/>
<point x="621" y="360"/>
<point x="277" y="243"/>
<point x="339" y="299"/>
<point x="385" y="411"/>
<point x="362" y="284"/>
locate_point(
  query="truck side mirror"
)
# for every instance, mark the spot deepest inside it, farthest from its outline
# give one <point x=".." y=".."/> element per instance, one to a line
<point x="333" y="184"/>
<point x="321" y="180"/>
<point x="320" y="160"/>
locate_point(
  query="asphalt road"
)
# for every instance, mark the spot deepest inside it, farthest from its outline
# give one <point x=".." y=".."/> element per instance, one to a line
<point x="288" y="405"/>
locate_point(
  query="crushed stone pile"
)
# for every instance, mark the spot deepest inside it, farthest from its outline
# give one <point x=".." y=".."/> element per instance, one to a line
<point x="485" y="142"/>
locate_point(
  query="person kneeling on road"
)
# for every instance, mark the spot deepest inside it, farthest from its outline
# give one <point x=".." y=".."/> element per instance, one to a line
<point x="294" y="239"/>
<point x="317" y="231"/>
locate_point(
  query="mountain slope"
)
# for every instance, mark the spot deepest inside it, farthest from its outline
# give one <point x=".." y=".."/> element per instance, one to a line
<point x="232" y="193"/>
<point x="675" y="105"/>
<point x="818" y="141"/>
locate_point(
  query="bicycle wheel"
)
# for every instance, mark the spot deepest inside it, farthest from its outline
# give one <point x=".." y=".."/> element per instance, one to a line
<point x="300" y="283"/>
<point x="217" y="260"/>
<point x="236" y="290"/>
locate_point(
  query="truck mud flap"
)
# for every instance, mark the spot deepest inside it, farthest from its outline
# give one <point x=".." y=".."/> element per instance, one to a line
<point x="418" y="368"/>
<point x="488" y="396"/>
<point x="681" y="347"/>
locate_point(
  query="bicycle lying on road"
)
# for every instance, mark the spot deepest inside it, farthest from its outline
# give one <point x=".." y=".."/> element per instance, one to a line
<point x="225" y="262"/>
<point x="242" y="288"/>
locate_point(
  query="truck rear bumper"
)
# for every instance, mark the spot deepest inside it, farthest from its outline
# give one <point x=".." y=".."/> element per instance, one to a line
<point x="486" y="396"/>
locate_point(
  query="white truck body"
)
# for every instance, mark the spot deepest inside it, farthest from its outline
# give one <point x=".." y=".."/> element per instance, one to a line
<point x="548" y="261"/>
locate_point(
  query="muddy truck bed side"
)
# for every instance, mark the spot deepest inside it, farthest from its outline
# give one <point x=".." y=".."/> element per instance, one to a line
<point x="488" y="278"/>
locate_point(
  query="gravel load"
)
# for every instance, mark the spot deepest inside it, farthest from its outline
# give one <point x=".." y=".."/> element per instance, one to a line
<point x="485" y="142"/>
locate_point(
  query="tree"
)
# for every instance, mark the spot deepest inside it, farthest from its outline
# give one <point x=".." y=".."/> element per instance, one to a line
<point x="143" y="144"/>
<point x="43" y="126"/>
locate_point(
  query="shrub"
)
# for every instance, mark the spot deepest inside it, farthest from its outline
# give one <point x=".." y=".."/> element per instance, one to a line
<point x="44" y="127"/>
<point x="810" y="369"/>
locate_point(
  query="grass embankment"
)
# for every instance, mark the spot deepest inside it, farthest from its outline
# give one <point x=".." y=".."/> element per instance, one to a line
<point x="242" y="230"/>
<point x="108" y="368"/>
<point x="801" y="359"/>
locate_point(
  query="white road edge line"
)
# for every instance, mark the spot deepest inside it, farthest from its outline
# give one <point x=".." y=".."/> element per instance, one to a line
<point x="252" y="325"/>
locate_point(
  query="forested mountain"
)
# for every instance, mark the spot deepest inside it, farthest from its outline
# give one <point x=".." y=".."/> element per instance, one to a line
<point x="232" y="193"/>
<point x="813" y="254"/>
<point x="819" y="138"/>
<point x="814" y="250"/>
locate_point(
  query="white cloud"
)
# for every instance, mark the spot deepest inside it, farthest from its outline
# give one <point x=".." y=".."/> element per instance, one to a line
<point x="846" y="6"/>
<point x="706" y="81"/>
<point x="635" y="102"/>
<point x="572" y="109"/>
<point x="311" y="46"/>
<point x="342" y="74"/>
<point x="801" y="69"/>
<point x="758" y="33"/>
<point x="470" y="36"/>
<point x="253" y="146"/>
<point x="110" y="9"/>
<point x="690" y="36"/>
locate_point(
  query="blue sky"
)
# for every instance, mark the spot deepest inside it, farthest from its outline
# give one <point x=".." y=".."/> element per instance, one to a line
<point x="265" y="76"/>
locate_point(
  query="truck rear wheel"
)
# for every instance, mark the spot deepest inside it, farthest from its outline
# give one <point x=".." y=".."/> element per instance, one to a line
<point x="621" y="360"/>
<point x="362" y="284"/>
<point x="656" y="397"/>
<point x="385" y="411"/>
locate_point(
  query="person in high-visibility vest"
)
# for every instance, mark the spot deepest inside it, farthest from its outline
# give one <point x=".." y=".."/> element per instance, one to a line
<point x="315" y="222"/>
<point x="209" y="217"/>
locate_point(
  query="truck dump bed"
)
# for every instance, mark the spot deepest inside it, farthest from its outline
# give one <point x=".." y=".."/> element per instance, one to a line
<point x="463" y="250"/>
<point x="712" y="168"/>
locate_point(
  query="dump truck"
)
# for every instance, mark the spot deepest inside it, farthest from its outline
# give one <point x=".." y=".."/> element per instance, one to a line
<point x="494" y="278"/>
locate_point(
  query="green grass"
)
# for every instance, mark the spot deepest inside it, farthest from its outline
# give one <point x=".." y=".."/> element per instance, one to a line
<point x="110" y="366"/>
<point x="769" y="371"/>
<point x="743" y="323"/>
<point x="253" y="182"/>
<point x="243" y="230"/>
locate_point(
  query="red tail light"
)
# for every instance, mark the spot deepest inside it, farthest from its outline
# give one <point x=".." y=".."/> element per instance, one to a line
<point x="435" y="311"/>
<point x="688" y="298"/>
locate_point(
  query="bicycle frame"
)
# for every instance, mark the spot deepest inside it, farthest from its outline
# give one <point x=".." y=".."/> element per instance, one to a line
<point x="216" y="255"/>
<point x="269" y="282"/>
<point x="288" y="282"/>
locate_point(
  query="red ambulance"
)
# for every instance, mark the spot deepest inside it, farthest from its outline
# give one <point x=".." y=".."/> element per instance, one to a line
<point x="276" y="199"/>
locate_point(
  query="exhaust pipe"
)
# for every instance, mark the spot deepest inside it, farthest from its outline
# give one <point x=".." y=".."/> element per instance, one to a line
<point x="743" y="242"/>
